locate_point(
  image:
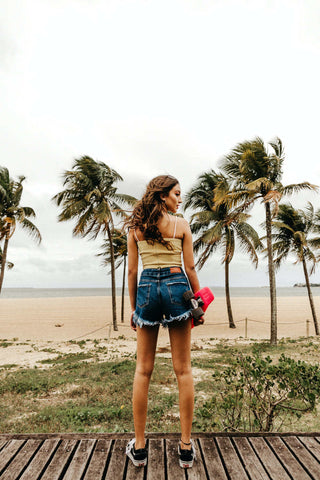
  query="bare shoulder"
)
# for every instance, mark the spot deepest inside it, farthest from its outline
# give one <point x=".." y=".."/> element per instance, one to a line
<point x="182" y="222"/>
<point x="182" y="226"/>
<point x="130" y="237"/>
<point x="135" y="234"/>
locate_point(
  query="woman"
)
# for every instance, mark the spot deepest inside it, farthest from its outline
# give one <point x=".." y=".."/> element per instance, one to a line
<point x="160" y="238"/>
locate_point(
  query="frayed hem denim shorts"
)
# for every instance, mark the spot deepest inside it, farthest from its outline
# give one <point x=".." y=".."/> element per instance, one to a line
<point x="160" y="297"/>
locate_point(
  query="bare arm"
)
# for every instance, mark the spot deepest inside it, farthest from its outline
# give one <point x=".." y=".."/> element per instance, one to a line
<point x="132" y="269"/>
<point x="188" y="258"/>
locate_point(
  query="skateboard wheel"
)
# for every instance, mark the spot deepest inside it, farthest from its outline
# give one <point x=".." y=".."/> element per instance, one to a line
<point x="188" y="295"/>
<point x="197" y="313"/>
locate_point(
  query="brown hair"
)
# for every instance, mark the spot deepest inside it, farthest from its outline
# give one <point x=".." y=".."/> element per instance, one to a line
<point x="149" y="209"/>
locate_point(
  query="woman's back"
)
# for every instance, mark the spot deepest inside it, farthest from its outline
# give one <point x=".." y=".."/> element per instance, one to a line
<point x="170" y="226"/>
<point x="157" y="255"/>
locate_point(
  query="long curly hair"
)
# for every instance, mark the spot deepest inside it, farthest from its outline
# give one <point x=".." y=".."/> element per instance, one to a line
<point x="149" y="209"/>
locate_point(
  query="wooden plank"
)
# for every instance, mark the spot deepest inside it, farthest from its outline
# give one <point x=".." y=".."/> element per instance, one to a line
<point x="155" y="435"/>
<point x="174" y="471"/>
<point x="79" y="461"/>
<point x="156" y="460"/>
<point x="269" y="460"/>
<point x="9" y="452"/>
<point x="312" y="445"/>
<point x="21" y="460"/>
<point x="250" y="460"/>
<point x="304" y="456"/>
<point x="231" y="459"/>
<point x="134" y="473"/>
<point x="118" y="460"/>
<point x="287" y="459"/>
<point x="58" y="464"/>
<point x="280" y="457"/>
<point x="41" y="459"/>
<point x="212" y="459"/>
<point x="3" y="444"/>
<point x="98" y="460"/>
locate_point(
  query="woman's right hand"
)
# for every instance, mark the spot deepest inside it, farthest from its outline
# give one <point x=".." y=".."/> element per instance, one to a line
<point x="132" y="324"/>
<point x="200" y="321"/>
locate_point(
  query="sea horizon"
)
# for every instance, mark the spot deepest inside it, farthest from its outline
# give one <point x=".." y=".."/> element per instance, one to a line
<point x="53" y="292"/>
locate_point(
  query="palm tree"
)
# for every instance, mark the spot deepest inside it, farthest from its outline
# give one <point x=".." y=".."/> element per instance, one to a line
<point x="256" y="173"/>
<point x="219" y="225"/>
<point x="12" y="213"/>
<point x="119" y="241"/>
<point x="292" y="235"/>
<point x="90" y="196"/>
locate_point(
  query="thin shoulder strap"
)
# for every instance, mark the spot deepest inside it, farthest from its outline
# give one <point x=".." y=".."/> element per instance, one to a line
<point x="175" y="228"/>
<point x="135" y="234"/>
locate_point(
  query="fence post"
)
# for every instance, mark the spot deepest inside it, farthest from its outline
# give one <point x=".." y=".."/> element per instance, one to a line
<point x="110" y="325"/>
<point x="246" y="328"/>
<point x="308" y="327"/>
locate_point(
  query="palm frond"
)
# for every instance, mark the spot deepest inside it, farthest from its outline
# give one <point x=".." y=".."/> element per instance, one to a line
<point x="31" y="229"/>
<point x="310" y="257"/>
<point x="314" y="243"/>
<point x="278" y="148"/>
<point x="298" y="187"/>
<point x="74" y="209"/>
<point x="278" y="260"/>
<point x="208" y="250"/>
<point x="282" y="225"/>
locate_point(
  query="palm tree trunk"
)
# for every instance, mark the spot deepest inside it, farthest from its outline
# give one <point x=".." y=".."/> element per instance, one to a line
<point x="113" y="280"/>
<point x="227" y="290"/>
<point x="314" y="315"/>
<point x="123" y="287"/>
<point x="4" y="261"/>
<point x="272" y="279"/>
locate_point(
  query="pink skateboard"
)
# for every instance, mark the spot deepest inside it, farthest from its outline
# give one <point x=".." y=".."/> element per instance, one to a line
<point x="199" y="302"/>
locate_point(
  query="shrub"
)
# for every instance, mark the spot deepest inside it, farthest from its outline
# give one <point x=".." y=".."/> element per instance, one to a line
<point x="259" y="395"/>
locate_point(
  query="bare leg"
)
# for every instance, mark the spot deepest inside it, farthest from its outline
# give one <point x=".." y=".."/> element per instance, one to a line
<point x="146" y="348"/>
<point x="180" y="339"/>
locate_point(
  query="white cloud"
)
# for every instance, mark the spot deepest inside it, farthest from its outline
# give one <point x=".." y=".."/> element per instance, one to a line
<point x="150" y="87"/>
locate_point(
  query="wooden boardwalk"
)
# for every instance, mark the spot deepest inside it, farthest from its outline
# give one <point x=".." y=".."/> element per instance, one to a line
<point x="101" y="456"/>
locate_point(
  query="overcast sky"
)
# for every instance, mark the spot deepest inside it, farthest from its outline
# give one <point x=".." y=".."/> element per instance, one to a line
<point x="150" y="87"/>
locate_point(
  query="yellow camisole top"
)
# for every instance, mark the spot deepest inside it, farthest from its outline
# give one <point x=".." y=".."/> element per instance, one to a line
<point x="157" y="255"/>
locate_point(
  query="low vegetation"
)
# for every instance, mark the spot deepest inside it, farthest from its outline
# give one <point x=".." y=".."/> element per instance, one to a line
<point x="240" y="386"/>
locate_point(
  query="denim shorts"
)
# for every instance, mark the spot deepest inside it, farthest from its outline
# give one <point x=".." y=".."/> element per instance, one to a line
<point x="160" y="297"/>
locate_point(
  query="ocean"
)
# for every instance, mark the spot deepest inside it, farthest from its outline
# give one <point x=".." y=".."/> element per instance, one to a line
<point x="101" y="292"/>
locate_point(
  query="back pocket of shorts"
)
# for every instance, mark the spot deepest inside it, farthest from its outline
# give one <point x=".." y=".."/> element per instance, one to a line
<point x="176" y="290"/>
<point x="143" y="295"/>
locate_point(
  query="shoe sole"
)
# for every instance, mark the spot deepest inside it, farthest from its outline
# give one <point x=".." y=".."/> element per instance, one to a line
<point x="138" y="463"/>
<point x="185" y="464"/>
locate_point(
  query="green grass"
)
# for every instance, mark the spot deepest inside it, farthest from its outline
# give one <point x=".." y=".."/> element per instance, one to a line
<point x="5" y="344"/>
<point x="68" y="359"/>
<point x="78" y="393"/>
<point x="7" y="366"/>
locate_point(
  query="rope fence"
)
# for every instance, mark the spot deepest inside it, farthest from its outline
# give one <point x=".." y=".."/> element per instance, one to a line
<point x="246" y="320"/>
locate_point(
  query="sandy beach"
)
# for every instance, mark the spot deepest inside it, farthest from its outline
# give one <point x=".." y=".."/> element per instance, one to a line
<point x="35" y="325"/>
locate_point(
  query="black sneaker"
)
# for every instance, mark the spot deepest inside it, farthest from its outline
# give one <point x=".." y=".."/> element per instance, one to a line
<point x="138" y="457"/>
<point x="186" y="457"/>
